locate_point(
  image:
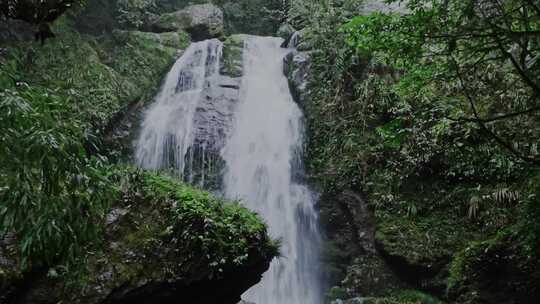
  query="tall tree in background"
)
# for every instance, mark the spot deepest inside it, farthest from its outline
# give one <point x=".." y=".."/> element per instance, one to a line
<point x="482" y="56"/>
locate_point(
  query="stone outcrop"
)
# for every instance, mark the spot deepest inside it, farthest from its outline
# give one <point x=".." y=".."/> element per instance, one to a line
<point x="153" y="252"/>
<point x="296" y="65"/>
<point x="202" y="21"/>
<point x="350" y="224"/>
<point x="286" y="31"/>
<point x="296" y="69"/>
<point x="214" y="114"/>
<point x="371" y="6"/>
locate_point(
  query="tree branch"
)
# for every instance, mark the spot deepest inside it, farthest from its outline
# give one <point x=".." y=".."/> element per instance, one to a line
<point x="482" y="125"/>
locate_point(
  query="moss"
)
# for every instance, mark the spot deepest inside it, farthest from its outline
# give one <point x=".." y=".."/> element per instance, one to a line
<point x="231" y="63"/>
<point x="415" y="296"/>
<point x="382" y="281"/>
<point x="99" y="76"/>
<point x="421" y="240"/>
<point x="499" y="267"/>
<point x="168" y="231"/>
<point x="402" y="297"/>
<point x="173" y="22"/>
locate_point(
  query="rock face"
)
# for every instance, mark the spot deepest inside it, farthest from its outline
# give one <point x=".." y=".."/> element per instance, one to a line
<point x="164" y="243"/>
<point x="296" y="68"/>
<point x="296" y="65"/>
<point x="203" y="21"/>
<point x="359" y="266"/>
<point x="371" y="6"/>
<point x="285" y="31"/>
<point x="214" y="113"/>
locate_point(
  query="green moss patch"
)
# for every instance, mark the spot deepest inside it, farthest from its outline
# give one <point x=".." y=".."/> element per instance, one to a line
<point x="232" y="60"/>
<point x="100" y="76"/>
<point x="486" y="271"/>
<point x="162" y="230"/>
<point x="424" y="240"/>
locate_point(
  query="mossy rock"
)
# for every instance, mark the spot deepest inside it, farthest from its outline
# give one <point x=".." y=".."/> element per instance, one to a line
<point x="232" y="58"/>
<point x="174" y="40"/>
<point x="163" y="241"/>
<point x="164" y="231"/>
<point x="202" y="21"/>
<point x="420" y="246"/>
<point x="497" y="270"/>
<point x="370" y="276"/>
<point x="285" y="31"/>
<point x="172" y="22"/>
<point x="400" y="297"/>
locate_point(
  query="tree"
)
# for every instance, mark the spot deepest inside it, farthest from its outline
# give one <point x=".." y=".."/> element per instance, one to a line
<point x="484" y="54"/>
<point x="37" y="12"/>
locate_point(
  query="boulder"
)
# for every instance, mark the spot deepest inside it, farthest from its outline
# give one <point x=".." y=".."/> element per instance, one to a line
<point x="380" y="6"/>
<point x="174" y="40"/>
<point x="164" y="242"/>
<point x="202" y="21"/>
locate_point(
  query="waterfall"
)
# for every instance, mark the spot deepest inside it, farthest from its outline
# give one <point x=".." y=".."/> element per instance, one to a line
<point x="259" y="145"/>
<point x="262" y="155"/>
<point x="169" y="136"/>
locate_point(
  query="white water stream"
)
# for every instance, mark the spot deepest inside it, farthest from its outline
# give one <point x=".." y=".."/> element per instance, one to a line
<point x="168" y="130"/>
<point x="262" y="156"/>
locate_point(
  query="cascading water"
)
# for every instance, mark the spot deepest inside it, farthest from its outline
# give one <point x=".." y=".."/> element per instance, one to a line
<point x="169" y="138"/>
<point x="260" y="144"/>
<point x="261" y="156"/>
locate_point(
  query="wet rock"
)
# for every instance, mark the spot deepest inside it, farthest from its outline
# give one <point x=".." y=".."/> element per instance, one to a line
<point x="202" y="21"/>
<point x="285" y="31"/>
<point x="297" y="41"/>
<point x="232" y="60"/>
<point x="214" y="114"/>
<point x="296" y="68"/>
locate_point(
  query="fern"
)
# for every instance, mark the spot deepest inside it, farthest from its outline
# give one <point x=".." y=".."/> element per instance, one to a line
<point x="505" y="196"/>
<point x="474" y="206"/>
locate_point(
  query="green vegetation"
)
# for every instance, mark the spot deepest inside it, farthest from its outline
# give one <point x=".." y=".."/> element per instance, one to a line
<point x="67" y="208"/>
<point x="211" y="230"/>
<point x="260" y="17"/>
<point x="232" y="55"/>
<point x="52" y="191"/>
<point x="56" y="101"/>
<point x="165" y="230"/>
<point x="100" y="76"/>
<point x="432" y="115"/>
